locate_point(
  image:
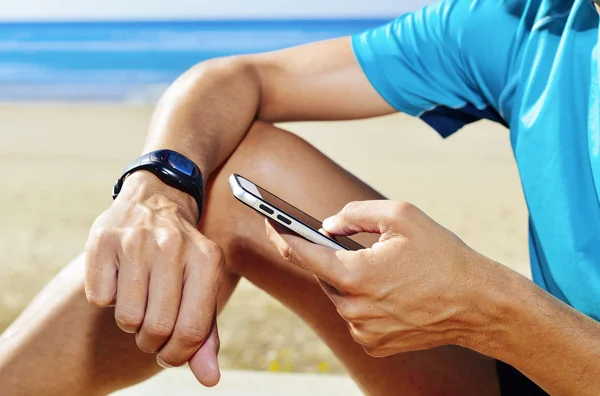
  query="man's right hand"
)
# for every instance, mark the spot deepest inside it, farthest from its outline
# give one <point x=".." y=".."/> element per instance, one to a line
<point x="145" y="256"/>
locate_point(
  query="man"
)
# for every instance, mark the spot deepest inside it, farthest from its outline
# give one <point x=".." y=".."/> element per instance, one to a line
<point x="443" y="316"/>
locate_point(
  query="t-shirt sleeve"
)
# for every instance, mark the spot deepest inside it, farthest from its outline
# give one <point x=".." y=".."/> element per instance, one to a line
<point x="446" y="63"/>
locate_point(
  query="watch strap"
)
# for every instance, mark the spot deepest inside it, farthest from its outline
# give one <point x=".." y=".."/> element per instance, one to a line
<point x="190" y="185"/>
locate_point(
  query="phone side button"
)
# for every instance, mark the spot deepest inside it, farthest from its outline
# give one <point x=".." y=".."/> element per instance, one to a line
<point x="266" y="209"/>
<point x="284" y="219"/>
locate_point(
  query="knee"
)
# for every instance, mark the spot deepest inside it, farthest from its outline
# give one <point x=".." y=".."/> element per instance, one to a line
<point x="265" y="143"/>
<point x="267" y="155"/>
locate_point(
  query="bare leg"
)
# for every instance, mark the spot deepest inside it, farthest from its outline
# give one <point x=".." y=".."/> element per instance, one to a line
<point x="62" y="345"/>
<point x="60" y="333"/>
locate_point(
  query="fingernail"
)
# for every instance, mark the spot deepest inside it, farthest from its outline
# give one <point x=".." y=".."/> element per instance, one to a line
<point x="329" y="223"/>
<point x="162" y="364"/>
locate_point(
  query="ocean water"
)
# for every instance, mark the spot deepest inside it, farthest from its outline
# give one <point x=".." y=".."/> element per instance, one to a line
<point x="136" y="61"/>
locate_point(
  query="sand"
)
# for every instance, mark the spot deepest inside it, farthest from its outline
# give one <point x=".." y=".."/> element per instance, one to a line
<point x="58" y="164"/>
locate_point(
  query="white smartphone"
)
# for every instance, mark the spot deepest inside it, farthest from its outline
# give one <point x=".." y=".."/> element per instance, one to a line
<point x="285" y="214"/>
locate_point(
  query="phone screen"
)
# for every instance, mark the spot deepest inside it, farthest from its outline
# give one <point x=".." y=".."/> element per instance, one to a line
<point x="294" y="212"/>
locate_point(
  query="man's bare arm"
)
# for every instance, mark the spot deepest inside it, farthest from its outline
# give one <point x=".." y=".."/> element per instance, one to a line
<point x="207" y="111"/>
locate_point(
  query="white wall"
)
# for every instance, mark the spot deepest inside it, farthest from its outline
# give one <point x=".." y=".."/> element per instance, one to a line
<point x="14" y="10"/>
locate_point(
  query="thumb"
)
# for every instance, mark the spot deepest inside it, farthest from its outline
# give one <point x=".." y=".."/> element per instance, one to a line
<point x="362" y="216"/>
<point x="204" y="363"/>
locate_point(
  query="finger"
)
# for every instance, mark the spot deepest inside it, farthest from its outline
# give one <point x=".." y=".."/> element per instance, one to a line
<point x="164" y="296"/>
<point x="318" y="260"/>
<point x="204" y="364"/>
<point x="101" y="271"/>
<point x="132" y="288"/>
<point x="196" y="313"/>
<point x="363" y="216"/>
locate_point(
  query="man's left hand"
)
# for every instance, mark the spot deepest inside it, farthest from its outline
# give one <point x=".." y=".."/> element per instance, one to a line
<point x="418" y="287"/>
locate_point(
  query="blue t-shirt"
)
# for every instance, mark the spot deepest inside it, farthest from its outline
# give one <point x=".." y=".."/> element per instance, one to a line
<point x="531" y="65"/>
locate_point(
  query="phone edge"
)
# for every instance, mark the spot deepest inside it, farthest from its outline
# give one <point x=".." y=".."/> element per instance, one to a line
<point x="306" y="232"/>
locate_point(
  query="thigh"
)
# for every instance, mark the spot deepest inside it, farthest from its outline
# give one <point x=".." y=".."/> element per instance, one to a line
<point x="294" y="170"/>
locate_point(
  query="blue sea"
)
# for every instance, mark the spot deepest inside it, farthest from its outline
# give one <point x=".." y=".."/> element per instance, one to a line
<point x="135" y="61"/>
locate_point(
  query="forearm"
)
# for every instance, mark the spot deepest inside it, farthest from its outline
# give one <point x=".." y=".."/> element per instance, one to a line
<point x="553" y="344"/>
<point x="203" y="115"/>
<point x="206" y="112"/>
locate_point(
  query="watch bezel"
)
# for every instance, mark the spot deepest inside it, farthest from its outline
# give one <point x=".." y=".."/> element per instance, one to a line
<point x="156" y="155"/>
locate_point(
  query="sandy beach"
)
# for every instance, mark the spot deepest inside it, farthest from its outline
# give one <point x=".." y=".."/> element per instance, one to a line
<point x="59" y="163"/>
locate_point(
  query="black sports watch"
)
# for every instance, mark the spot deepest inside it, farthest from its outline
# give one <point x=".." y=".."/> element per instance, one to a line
<point x="173" y="169"/>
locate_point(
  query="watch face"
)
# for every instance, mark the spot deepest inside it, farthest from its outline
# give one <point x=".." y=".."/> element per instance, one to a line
<point x="178" y="162"/>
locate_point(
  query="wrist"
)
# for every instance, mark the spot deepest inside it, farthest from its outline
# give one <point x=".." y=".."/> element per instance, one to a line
<point x="142" y="185"/>
<point x="489" y="302"/>
<point x="529" y="329"/>
<point x="501" y="303"/>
